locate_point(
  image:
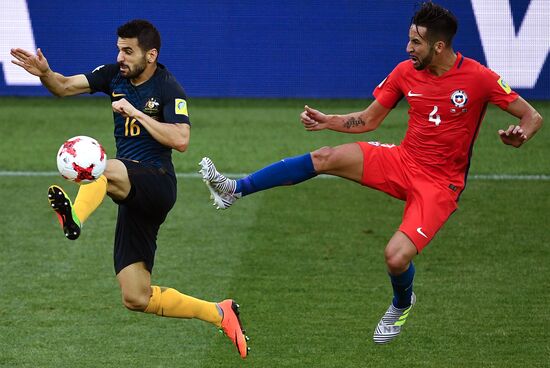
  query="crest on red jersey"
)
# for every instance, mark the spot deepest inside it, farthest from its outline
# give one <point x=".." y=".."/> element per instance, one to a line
<point x="459" y="98"/>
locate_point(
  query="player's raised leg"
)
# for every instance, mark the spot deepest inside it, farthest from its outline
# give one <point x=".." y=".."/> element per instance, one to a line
<point x="71" y="217"/>
<point x="139" y="295"/>
<point x="89" y="197"/>
<point x="222" y="189"/>
<point x="345" y="161"/>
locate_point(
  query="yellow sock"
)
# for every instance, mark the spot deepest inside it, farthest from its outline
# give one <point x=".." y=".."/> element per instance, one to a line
<point x="167" y="302"/>
<point x="89" y="197"/>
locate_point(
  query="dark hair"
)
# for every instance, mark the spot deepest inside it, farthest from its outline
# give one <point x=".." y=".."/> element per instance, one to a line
<point x="440" y="23"/>
<point x="146" y="33"/>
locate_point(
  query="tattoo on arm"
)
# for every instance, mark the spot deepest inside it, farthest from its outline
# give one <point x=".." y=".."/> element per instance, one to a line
<point x="353" y="122"/>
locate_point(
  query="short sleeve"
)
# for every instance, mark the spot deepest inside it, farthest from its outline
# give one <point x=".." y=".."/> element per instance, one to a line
<point x="499" y="92"/>
<point x="388" y="93"/>
<point x="100" y="78"/>
<point x="175" y="108"/>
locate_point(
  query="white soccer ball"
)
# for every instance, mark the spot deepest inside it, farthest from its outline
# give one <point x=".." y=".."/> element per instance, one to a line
<point x="81" y="159"/>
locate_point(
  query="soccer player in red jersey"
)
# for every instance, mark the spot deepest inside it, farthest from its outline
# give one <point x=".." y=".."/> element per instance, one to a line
<point x="448" y="96"/>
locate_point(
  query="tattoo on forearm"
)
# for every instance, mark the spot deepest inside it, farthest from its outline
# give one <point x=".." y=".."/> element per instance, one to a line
<point x="353" y="122"/>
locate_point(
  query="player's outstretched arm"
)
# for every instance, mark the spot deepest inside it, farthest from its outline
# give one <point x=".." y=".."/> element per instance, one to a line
<point x="57" y="84"/>
<point x="356" y="122"/>
<point x="530" y="122"/>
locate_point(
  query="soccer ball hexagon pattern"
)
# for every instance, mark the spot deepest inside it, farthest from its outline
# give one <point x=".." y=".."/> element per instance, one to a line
<point x="81" y="159"/>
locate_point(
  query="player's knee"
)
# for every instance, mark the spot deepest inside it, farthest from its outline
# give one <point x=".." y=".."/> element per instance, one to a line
<point x="321" y="159"/>
<point x="135" y="302"/>
<point x="113" y="169"/>
<point x="397" y="263"/>
<point x="118" y="182"/>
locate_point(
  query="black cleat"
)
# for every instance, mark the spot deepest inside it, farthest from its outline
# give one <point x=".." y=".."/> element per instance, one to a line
<point x="63" y="207"/>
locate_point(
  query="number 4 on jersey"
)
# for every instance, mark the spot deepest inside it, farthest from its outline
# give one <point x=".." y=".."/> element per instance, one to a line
<point x="434" y="118"/>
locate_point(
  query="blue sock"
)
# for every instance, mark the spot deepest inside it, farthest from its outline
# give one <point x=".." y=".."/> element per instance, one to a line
<point x="403" y="288"/>
<point x="288" y="171"/>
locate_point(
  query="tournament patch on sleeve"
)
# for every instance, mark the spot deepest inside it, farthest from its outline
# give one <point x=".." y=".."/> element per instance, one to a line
<point x="181" y="107"/>
<point x="504" y="86"/>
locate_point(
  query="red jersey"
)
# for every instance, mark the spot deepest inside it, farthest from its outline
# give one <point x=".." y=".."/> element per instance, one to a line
<point x="445" y="113"/>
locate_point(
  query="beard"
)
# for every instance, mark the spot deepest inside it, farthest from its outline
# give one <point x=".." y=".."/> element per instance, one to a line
<point x="423" y="63"/>
<point x="134" y="72"/>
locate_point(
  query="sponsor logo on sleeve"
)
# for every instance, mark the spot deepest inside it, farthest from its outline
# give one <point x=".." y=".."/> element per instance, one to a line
<point x="181" y="107"/>
<point x="419" y="230"/>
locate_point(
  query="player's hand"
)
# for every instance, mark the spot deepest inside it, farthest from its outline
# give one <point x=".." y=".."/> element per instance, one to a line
<point x="34" y="64"/>
<point x="124" y="108"/>
<point x="313" y="119"/>
<point x="514" y="136"/>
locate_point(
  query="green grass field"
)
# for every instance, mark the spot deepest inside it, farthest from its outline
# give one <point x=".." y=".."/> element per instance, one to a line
<point x="305" y="263"/>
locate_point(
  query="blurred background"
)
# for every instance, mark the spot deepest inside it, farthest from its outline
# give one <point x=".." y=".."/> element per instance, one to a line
<point x="309" y="48"/>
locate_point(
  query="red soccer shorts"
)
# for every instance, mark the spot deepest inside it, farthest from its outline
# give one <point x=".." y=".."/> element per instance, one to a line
<point x="429" y="203"/>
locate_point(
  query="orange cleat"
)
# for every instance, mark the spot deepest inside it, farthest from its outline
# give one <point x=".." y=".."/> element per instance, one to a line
<point x="231" y="326"/>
